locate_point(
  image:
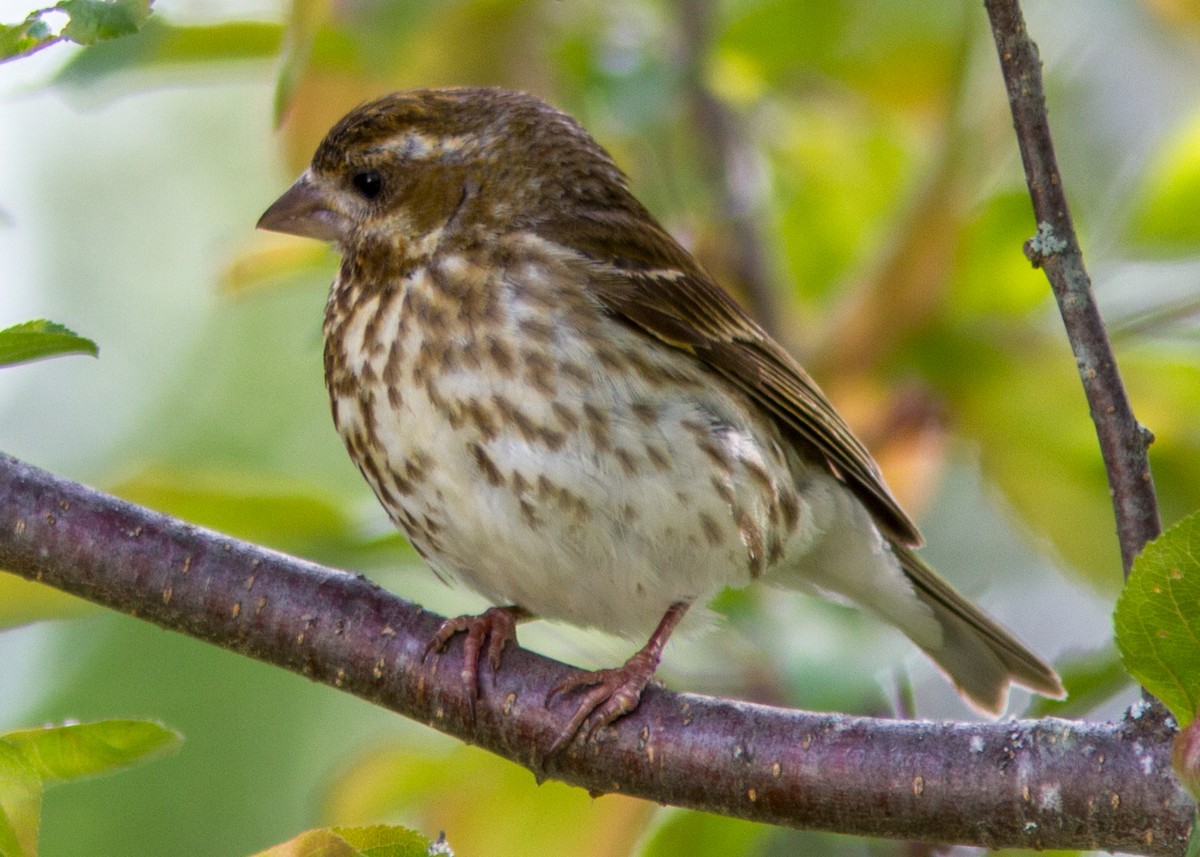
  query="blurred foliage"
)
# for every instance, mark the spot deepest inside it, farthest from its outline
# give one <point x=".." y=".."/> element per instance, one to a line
<point x="31" y="759"/>
<point x="886" y="183"/>
<point x="376" y="841"/>
<point x="87" y="22"/>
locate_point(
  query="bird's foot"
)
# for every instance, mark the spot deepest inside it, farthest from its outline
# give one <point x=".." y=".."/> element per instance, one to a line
<point x="496" y="627"/>
<point x="613" y="694"/>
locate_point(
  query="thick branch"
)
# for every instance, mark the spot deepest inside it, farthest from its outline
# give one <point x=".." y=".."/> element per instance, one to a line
<point x="1056" y="249"/>
<point x="1028" y="784"/>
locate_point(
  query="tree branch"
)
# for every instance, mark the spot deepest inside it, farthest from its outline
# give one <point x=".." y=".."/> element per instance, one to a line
<point x="1055" y="248"/>
<point x="1028" y="784"/>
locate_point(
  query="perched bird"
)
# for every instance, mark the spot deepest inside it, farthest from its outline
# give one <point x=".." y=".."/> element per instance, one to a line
<point x="559" y="407"/>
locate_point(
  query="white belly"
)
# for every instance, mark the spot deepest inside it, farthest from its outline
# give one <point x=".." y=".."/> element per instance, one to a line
<point x="571" y="485"/>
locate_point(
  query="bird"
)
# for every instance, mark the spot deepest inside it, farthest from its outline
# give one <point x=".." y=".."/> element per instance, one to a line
<point x="560" y="408"/>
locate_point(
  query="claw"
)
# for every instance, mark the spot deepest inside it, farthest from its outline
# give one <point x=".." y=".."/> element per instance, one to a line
<point x="614" y="692"/>
<point x="497" y="626"/>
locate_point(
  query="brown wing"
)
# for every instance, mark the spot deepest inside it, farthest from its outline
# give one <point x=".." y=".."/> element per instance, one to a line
<point x="645" y="277"/>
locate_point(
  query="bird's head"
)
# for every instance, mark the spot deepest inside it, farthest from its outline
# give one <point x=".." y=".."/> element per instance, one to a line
<point x="422" y="169"/>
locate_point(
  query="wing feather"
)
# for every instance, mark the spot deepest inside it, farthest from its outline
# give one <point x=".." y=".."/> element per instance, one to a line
<point x="642" y="275"/>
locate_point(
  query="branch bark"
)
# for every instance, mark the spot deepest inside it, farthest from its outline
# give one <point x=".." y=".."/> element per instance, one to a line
<point x="1027" y="784"/>
<point x="1055" y="249"/>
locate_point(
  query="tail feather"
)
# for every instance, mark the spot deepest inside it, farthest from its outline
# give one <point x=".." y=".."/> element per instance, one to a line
<point x="979" y="655"/>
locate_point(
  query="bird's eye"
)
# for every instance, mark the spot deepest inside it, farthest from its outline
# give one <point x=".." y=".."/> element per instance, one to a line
<point x="369" y="183"/>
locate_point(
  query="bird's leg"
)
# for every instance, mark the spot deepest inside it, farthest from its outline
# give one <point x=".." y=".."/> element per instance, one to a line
<point x="616" y="692"/>
<point x="497" y="626"/>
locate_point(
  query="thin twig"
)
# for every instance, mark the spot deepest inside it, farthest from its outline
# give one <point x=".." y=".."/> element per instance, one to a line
<point x="1055" y="248"/>
<point x="1027" y="784"/>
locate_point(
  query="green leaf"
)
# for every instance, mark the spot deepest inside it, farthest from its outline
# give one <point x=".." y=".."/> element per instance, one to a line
<point x="379" y="840"/>
<point x="58" y="753"/>
<point x="95" y="21"/>
<point x="385" y="840"/>
<point x="20" y="803"/>
<point x="36" y="340"/>
<point x="1157" y="619"/>
<point x="25" y="37"/>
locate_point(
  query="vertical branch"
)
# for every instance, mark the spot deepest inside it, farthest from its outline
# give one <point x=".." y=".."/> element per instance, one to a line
<point x="729" y="158"/>
<point x="1055" y="249"/>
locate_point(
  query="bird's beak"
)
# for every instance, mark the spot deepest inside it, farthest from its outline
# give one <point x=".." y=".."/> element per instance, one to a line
<point x="304" y="210"/>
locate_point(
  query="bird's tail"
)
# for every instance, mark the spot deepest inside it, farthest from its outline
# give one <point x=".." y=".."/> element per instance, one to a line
<point x="980" y="657"/>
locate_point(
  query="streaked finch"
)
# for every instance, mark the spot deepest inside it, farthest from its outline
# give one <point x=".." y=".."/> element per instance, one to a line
<point x="559" y="407"/>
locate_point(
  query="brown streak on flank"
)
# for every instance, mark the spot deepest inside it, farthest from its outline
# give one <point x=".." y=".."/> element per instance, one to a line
<point x="627" y="460"/>
<point x="486" y="466"/>
<point x="554" y="440"/>
<point x="760" y="475"/>
<point x="529" y="513"/>
<point x="752" y="537"/>
<point x="597" y="427"/>
<point x="452" y="413"/>
<point x="471" y="352"/>
<point x="539" y="371"/>
<point x="502" y="356"/>
<point x="566" y="417"/>
<point x="370" y="423"/>
<point x="536" y="330"/>
<point x="483" y="419"/>
<point x="658" y="457"/>
<point x="789" y="505"/>
<point x="712" y="530"/>
<point x="609" y="359"/>
<point x="645" y="413"/>
<point x="416" y="466"/>
<point x="774" y="548"/>
<point x="573" y="372"/>
<point x="395" y="363"/>
<point x="724" y="490"/>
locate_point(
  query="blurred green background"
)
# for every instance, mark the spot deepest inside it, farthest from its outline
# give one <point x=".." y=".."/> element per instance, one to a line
<point x="847" y="167"/>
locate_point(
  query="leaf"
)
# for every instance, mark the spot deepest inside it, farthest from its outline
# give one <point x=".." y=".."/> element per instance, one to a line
<point x="59" y="753"/>
<point x="376" y="841"/>
<point x="1157" y="619"/>
<point x="385" y="840"/>
<point x="20" y="803"/>
<point x="25" y="37"/>
<point x="95" y="21"/>
<point x="36" y="340"/>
